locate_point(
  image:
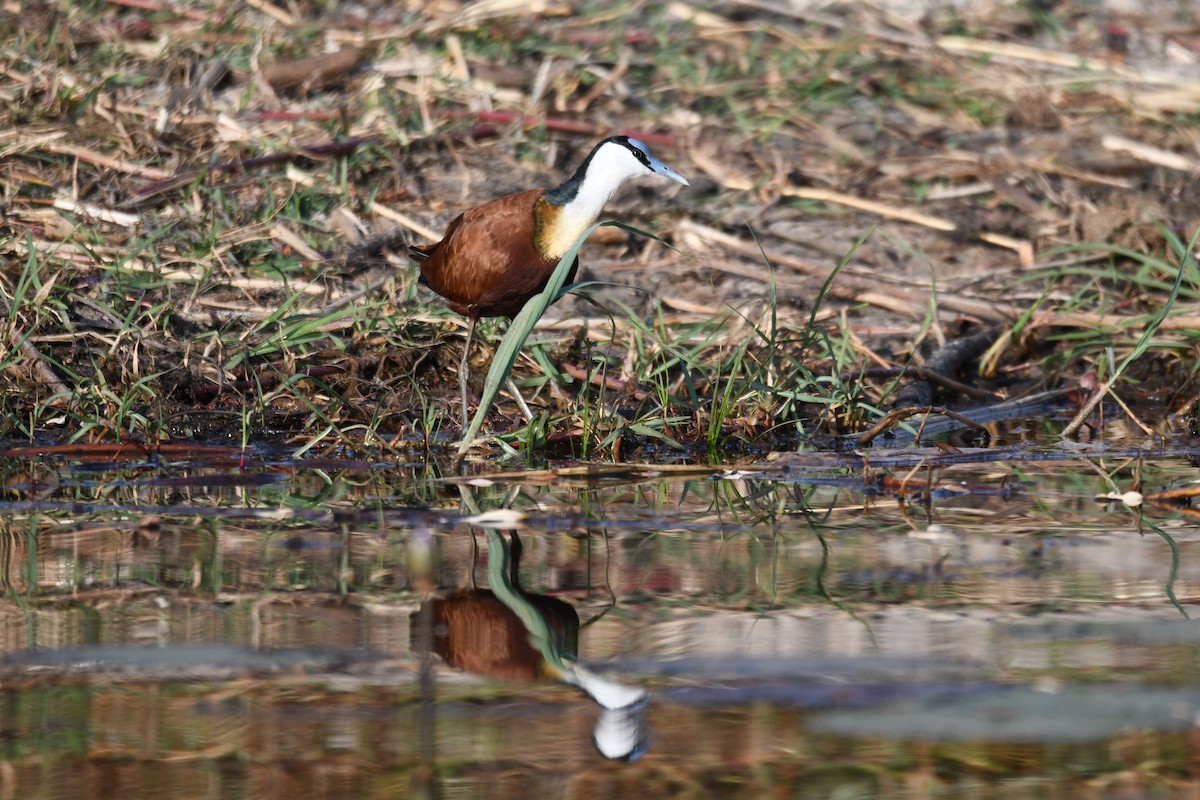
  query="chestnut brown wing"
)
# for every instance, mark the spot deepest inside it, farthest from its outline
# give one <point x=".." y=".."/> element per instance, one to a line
<point x="488" y="263"/>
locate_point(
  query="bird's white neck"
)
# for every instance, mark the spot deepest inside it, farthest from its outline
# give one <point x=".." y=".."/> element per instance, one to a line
<point x="599" y="184"/>
<point x="582" y="197"/>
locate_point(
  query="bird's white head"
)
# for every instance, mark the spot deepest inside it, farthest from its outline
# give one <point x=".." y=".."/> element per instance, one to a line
<point x="628" y="158"/>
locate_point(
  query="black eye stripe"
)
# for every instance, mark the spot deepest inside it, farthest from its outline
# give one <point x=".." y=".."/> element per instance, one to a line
<point x="638" y="153"/>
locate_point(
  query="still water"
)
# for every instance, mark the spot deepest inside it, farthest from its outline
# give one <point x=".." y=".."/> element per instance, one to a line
<point x="208" y="623"/>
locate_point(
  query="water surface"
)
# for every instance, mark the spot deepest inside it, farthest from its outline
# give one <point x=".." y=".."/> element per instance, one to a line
<point x="223" y="624"/>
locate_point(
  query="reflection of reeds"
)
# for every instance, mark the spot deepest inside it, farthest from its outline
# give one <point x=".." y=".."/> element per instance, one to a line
<point x="95" y="555"/>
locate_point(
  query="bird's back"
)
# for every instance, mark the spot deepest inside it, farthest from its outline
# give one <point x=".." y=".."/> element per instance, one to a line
<point x="489" y="264"/>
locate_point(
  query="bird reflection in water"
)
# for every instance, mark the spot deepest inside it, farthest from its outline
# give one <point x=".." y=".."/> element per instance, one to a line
<point x="474" y="631"/>
<point x="510" y="634"/>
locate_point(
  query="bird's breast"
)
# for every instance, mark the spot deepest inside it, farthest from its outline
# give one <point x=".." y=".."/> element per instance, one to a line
<point x="556" y="229"/>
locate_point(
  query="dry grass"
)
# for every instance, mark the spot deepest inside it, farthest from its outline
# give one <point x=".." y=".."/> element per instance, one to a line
<point x="187" y="189"/>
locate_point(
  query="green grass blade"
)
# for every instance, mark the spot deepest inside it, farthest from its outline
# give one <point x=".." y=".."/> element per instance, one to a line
<point x="1144" y="341"/>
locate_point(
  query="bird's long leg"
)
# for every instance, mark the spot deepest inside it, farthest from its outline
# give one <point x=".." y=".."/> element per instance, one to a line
<point x="516" y="393"/>
<point x="462" y="370"/>
<point x="520" y="398"/>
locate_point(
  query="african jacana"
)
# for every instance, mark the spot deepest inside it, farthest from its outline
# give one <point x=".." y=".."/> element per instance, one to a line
<point x="496" y="256"/>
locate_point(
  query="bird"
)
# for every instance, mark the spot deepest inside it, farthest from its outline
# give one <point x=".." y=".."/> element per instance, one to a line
<point x="493" y="258"/>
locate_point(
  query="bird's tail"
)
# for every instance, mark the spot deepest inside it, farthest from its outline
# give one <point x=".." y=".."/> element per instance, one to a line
<point x="369" y="250"/>
<point x="420" y="253"/>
